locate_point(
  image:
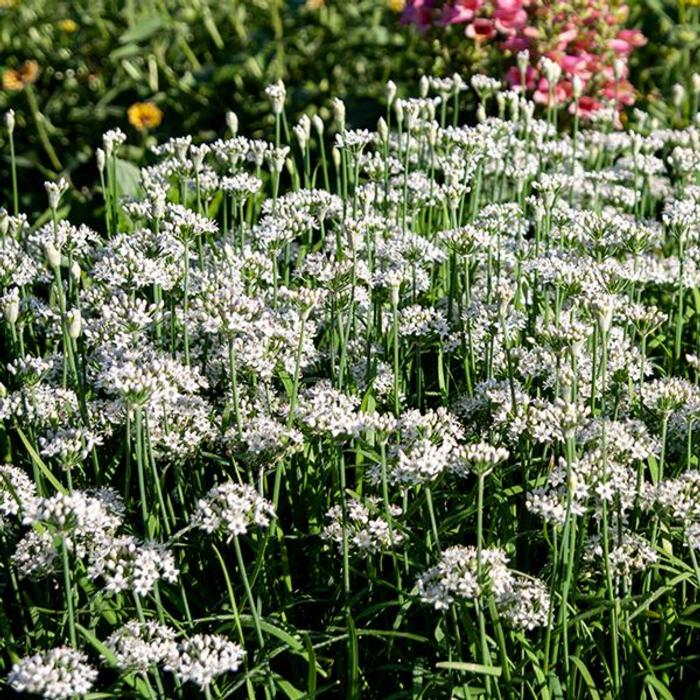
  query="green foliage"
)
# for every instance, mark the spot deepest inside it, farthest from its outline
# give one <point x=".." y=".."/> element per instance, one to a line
<point x="195" y="59"/>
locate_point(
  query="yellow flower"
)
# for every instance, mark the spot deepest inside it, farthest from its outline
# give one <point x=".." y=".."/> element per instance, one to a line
<point x="67" y="25"/>
<point x="315" y="4"/>
<point x="15" y="79"/>
<point x="8" y="3"/>
<point x="693" y="3"/>
<point x="144" y="115"/>
<point x="396" y="5"/>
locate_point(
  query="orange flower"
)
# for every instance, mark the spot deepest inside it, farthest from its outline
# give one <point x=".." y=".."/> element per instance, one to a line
<point x="144" y="115"/>
<point x="15" y="79"/>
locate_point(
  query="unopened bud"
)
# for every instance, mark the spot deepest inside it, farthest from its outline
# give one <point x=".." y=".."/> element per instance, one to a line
<point x="232" y="122"/>
<point x="75" y="323"/>
<point x="382" y="129"/>
<point x="523" y="60"/>
<point x="335" y="153"/>
<point x="390" y="92"/>
<point x="11" y="309"/>
<point x="395" y="294"/>
<point x="619" y="68"/>
<point x="423" y="86"/>
<point x="695" y="83"/>
<point x="398" y="108"/>
<point x="577" y="86"/>
<point x="100" y="157"/>
<point x="317" y="123"/>
<point x="501" y="103"/>
<point x="52" y="254"/>
<point x="75" y="270"/>
<point x="10" y="121"/>
<point x="339" y="113"/>
<point x="677" y="95"/>
<point x="481" y="113"/>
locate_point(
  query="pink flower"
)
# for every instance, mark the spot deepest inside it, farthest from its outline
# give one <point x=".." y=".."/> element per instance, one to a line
<point x="515" y="43"/>
<point x="587" y="106"/>
<point x="561" y="93"/>
<point x="461" y="12"/>
<point x="481" y="29"/>
<point x="418" y="13"/>
<point x="626" y="41"/>
<point x="509" y="16"/>
<point x="620" y="92"/>
<point x="566" y="37"/>
<point x="514" y="79"/>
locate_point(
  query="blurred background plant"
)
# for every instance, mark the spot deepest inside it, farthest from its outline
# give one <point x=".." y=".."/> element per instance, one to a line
<point x="670" y="62"/>
<point x="71" y="69"/>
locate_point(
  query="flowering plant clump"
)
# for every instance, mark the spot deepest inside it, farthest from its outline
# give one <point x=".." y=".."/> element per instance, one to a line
<point x="422" y="398"/>
<point x="572" y="54"/>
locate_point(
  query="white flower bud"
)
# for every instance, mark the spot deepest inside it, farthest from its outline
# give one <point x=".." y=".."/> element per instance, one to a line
<point x="232" y="122"/>
<point x="55" y="190"/>
<point x="317" y="123"/>
<point x="523" y="59"/>
<point x="382" y="129"/>
<point x="480" y="113"/>
<point x="395" y="294"/>
<point x="339" y="113"/>
<point x="677" y="95"/>
<point x="10" y="121"/>
<point x="75" y="323"/>
<point x="390" y="92"/>
<point x="101" y="158"/>
<point x="277" y="94"/>
<point x="75" y="270"/>
<point x="619" y="68"/>
<point x="577" y="86"/>
<point x="501" y="103"/>
<point x="432" y="133"/>
<point x="335" y="153"/>
<point x="695" y="83"/>
<point x="398" y="108"/>
<point x="52" y="254"/>
<point x="423" y="86"/>
<point x="11" y="309"/>
<point x="300" y="135"/>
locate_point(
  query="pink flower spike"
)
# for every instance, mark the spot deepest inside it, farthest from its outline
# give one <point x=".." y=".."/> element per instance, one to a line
<point x="461" y="12"/>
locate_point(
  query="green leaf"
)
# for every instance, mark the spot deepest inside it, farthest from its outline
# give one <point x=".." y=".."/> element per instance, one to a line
<point x="658" y="686"/>
<point x="125" y="52"/>
<point x="482" y="669"/>
<point x="143" y="30"/>
<point x="587" y="678"/>
<point x="39" y="462"/>
<point x="128" y="177"/>
<point x="289" y="690"/>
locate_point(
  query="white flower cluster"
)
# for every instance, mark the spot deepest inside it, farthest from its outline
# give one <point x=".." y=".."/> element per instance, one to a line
<point x="125" y="564"/>
<point x="17" y="494"/>
<point x="57" y="674"/>
<point x="366" y="526"/>
<point x="232" y="509"/>
<point x="460" y="576"/>
<point x="139" y="645"/>
<point x="203" y="657"/>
